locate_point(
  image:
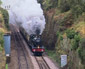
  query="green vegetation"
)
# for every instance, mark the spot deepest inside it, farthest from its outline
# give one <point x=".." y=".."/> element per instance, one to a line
<point x="6" y="17"/>
<point x="75" y="43"/>
<point x="1" y="41"/>
<point x="6" y="66"/>
<point x="4" y="22"/>
<point x="80" y="27"/>
<point x="4" y="26"/>
<point x="53" y="55"/>
<point x="77" y="6"/>
<point x="48" y="4"/>
<point x="77" y="10"/>
<point x="63" y="5"/>
<point x="0" y="2"/>
<point x="67" y="18"/>
<point x="70" y="33"/>
<point x="81" y="51"/>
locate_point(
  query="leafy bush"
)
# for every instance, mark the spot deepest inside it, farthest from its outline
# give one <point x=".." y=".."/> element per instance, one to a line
<point x="81" y="50"/>
<point x="59" y="35"/>
<point x="6" y="17"/>
<point x="1" y="19"/>
<point x="1" y="39"/>
<point x="77" y="10"/>
<point x="70" y="33"/>
<point x="77" y="6"/>
<point x="63" y="5"/>
<point x="77" y="38"/>
<point x="68" y="19"/>
<point x="48" y="4"/>
<point x="75" y="43"/>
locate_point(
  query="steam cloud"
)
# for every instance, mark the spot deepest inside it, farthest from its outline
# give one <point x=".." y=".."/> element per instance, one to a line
<point x="25" y="13"/>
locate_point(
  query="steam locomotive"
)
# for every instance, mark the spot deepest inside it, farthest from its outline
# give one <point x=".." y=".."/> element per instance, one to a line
<point x="34" y="41"/>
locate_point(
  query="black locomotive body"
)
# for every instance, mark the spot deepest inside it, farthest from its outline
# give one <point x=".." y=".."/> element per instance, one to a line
<point x="34" y="42"/>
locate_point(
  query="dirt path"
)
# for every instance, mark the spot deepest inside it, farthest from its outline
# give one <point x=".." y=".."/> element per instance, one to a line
<point x="13" y="61"/>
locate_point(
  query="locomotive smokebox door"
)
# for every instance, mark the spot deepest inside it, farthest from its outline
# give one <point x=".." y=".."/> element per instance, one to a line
<point x="7" y="46"/>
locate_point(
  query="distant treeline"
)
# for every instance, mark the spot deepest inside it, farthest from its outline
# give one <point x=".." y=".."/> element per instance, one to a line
<point x="5" y="16"/>
<point x="77" y="6"/>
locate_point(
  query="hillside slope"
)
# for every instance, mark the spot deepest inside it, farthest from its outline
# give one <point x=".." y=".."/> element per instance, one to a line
<point x="65" y="31"/>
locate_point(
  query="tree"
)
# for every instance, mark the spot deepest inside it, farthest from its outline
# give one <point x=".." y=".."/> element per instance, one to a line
<point x="63" y="5"/>
<point x="0" y="2"/>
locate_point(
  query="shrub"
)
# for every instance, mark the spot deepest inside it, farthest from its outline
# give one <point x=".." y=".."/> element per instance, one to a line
<point x="77" y="10"/>
<point x="1" y="19"/>
<point x="77" y="38"/>
<point x="63" y="5"/>
<point x="70" y="33"/>
<point x="6" y="17"/>
<point x="1" y="39"/>
<point x="75" y="43"/>
<point x="77" y="6"/>
<point x="81" y="50"/>
<point x="61" y="37"/>
<point x="58" y="33"/>
<point x="48" y="4"/>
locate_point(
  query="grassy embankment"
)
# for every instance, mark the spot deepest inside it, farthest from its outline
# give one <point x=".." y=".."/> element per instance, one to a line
<point x="4" y="20"/>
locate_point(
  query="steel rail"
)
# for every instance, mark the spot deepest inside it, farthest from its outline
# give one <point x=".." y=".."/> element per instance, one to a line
<point x="16" y="46"/>
<point x="22" y="46"/>
<point x="42" y="64"/>
<point x="19" y="44"/>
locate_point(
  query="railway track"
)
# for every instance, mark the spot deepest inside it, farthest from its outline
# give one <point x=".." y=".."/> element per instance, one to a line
<point x="42" y="63"/>
<point x="22" y="51"/>
<point x="19" y="46"/>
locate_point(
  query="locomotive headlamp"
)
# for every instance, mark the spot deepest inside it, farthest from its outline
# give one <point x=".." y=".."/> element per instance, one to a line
<point x="38" y="46"/>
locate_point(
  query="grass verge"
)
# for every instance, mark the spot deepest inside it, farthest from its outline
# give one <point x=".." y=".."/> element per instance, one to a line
<point x="53" y="55"/>
<point x="6" y="66"/>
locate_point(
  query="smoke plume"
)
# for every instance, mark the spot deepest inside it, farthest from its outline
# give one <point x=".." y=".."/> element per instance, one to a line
<point x="25" y="13"/>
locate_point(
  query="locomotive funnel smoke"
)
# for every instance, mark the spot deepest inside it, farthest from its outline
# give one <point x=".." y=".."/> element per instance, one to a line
<point x="25" y="13"/>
